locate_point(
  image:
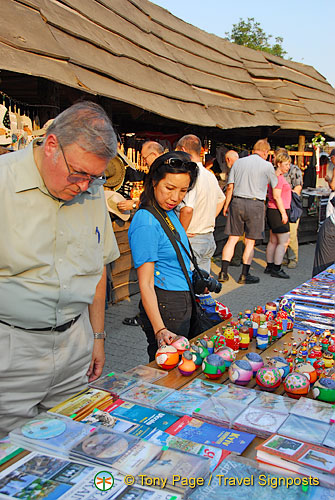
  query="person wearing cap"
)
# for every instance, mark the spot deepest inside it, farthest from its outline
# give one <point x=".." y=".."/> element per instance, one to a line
<point x="57" y="239"/>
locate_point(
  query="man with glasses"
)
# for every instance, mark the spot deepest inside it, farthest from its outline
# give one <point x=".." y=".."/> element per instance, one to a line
<point x="57" y="239"/>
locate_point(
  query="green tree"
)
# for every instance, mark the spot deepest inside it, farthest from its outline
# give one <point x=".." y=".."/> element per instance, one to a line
<point x="250" y="34"/>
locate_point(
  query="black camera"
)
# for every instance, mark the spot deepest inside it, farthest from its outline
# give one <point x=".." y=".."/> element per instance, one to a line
<point x="203" y="280"/>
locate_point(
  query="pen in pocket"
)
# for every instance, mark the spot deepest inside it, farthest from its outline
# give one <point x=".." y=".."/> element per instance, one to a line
<point x="98" y="233"/>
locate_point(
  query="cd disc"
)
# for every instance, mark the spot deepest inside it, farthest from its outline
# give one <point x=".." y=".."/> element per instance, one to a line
<point x="43" y="428"/>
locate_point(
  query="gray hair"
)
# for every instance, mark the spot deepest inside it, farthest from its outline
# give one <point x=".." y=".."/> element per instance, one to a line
<point x="86" y="124"/>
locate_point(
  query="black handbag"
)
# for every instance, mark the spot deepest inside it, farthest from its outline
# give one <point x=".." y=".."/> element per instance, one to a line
<point x="295" y="208"/>
<point x="200" y="322"/>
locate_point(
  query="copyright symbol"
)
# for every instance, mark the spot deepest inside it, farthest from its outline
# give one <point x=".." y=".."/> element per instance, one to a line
<point x="129" y="480"/>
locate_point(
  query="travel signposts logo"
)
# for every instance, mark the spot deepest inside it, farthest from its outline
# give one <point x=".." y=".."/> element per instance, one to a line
<point x="104" y="480"/>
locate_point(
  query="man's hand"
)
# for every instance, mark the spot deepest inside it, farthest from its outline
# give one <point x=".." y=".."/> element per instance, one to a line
<point x="98" y="360"/>
<point x="125" y="205"/>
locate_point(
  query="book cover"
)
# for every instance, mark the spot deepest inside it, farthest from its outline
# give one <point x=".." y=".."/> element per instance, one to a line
<point x="163" y="439"/>
<point x="180" y="403"/>
<point x="143" y="493"/>
<point x="275" y="402"/>
<point x="147" y="394"/>
<point x="214" y="435"/>
<point x="298" y="452"/>
<point x="38" y="476"/>
<point x="114" y="383"/>
<point x="141" y="414"/>
<point x="219" y="411"/>
<point x="146" y="373"/>
<point x="303" y="428"/>
<point x="233" y="392"/>
<point x="316" y="410"/>
<point x="169" y="464"/>
<point x="261" y="422"/>
<point x="202" y="388"/>
<point x="83" y="401"/>
<point x="8" y="450"/>
<point x="105" y="419"/>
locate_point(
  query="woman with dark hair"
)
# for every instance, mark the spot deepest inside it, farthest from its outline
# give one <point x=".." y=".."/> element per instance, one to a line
<point x="166" y="304"/>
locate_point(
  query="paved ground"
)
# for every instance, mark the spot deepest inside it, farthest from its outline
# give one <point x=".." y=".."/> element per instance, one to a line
<point x="126" y="345"/>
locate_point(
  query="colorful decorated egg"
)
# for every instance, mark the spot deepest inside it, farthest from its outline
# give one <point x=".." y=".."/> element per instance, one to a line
<point x="240" y="372"/>
<point x="186" y="365"/>
<point x="196" y="351"/>
<point x="296" y="384"/>
<point x="255" y="361"/>
<point x="167" y="357"/>
<point x="181" y="344"/>
<point x="308" y="370"/>
<point x="227" y="354"/>
<point x="324" y="390"/>
<point x="268" y="378"/>
<point x="282" y="365"/>
<point x="202" y="344"/>
<point x="213" y="366"/>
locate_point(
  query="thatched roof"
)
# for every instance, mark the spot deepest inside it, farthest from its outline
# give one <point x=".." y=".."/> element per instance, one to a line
<point x="137" y="52"/>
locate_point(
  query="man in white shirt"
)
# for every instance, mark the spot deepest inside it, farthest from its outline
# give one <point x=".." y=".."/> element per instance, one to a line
<point x="201" y="205"/>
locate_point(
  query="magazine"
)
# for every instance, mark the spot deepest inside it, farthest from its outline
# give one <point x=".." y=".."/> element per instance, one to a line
<point x="147" y="394"/>
<point x="8" y="450"/>
<point x="105" y="419"/>
<point x="316" y="410"/>
<point x="82" y="403"/>
<point x="239" y="394"/>
<point x="114" y="383"/>
<point x="270" y="401"/>
<point x="261" y="422"/>
<point x="141" y="414"/>
<point x="146" y="373"/>
<point x="143" y="493"/>
<point x="196" y="430"/>
<point x="180" y="403"/>
<point x="303" y="428"/>
<point x="329" y="440"/>
<point x="202" y="388"/>
<point x="219" y="411"/>
<point x="50" y="478"/>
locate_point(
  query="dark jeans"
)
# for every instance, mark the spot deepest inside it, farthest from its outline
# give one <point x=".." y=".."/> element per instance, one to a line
<point x="175" y="309"/>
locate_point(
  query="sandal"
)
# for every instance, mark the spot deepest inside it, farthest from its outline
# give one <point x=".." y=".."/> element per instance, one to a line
<point x="131" y="321"/>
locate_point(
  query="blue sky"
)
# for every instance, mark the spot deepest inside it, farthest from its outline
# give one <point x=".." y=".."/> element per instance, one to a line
<point x="307" y="27"/>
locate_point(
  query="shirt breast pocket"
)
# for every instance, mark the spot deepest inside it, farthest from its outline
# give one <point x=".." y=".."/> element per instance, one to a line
<point x="88" y="252"/>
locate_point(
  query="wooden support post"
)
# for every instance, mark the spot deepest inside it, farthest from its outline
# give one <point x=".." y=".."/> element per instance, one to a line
<point x="301" y="147"/>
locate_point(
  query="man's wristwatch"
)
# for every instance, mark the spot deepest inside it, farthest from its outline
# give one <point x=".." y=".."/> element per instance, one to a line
<point x="134" y="205"/>
<point x="100" y="335"/>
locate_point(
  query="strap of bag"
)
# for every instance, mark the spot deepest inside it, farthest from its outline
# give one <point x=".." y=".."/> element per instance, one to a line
<point x="171" y="232"/>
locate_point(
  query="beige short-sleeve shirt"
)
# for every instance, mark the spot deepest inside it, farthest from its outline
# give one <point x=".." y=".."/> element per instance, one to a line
<point x="52" y="252"/>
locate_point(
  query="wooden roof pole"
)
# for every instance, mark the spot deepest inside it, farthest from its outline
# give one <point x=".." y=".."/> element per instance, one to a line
<point x="301" y="147"/>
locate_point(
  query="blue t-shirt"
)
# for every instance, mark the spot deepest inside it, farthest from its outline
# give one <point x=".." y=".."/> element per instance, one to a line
<point x="149" y="243"/>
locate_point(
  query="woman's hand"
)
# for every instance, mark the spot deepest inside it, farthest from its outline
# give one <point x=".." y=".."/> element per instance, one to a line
<point x="165" y="337"/>
<point x="284" y="218"/>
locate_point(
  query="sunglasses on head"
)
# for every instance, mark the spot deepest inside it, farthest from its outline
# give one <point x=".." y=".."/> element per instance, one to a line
<point x="177" y="162"/>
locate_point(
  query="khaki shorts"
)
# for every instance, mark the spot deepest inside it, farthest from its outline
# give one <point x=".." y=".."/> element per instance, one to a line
<point x="246" y="216"/>
<point x="41" y="369"/>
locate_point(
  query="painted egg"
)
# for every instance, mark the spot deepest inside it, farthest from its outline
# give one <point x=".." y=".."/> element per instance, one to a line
<point x="324" y="390"/>
<point x="268" y="378"/>
<point x="213" y="366"/>
<point x="308" y="370"/>
<point x="196" y="354"/>
<point x="181" y="344"/>
<point x="240" y="372"/>
<point x="255" y="361"/>
<point x="227" y="354"/>
<point x="296" y="384"/>
<point x="282" y="365"/>
<point x="186" y="365"/>
<point x="167" y="357"/>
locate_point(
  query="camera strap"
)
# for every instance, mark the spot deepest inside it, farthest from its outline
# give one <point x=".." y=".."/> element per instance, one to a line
<point x="174" y="236"/>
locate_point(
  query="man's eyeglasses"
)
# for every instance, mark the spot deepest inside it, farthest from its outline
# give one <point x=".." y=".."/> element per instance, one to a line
<point x="145" y="157"/>
<point x="75" y="177"/>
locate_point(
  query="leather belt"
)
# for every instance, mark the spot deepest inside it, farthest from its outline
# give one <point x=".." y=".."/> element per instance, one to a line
<point x="242" y="198"/>
<point x="60" y="328"/>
